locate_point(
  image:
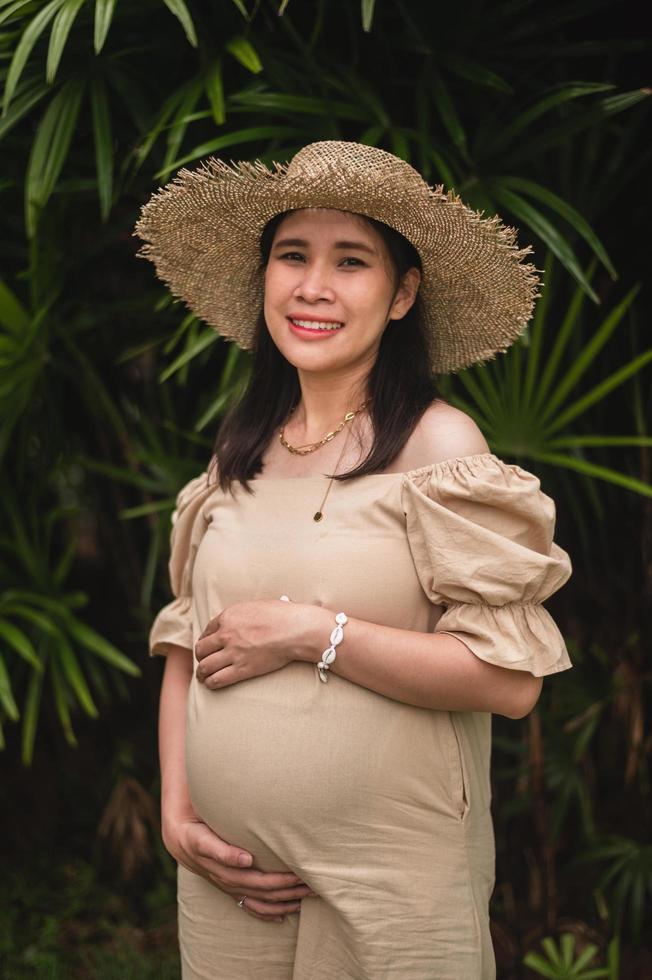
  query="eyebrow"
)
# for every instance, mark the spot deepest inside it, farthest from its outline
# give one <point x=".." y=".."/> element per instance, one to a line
<point x="302" y="243"/>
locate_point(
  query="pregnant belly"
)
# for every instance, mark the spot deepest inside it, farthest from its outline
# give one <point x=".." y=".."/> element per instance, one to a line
<point x="307" y="775"/>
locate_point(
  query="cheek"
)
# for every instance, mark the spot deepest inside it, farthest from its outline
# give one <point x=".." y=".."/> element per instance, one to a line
<point x="269" y="284"/>
<point x="279" y="281"/>
<point x="274" y="293"/>
<point x="370" y="297"/>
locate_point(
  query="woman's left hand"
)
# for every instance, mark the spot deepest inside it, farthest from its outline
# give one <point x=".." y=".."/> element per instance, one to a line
<point x="252" y="638"/>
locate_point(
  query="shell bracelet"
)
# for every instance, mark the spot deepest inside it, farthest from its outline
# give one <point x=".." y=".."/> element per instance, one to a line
<point x="329" y="655"/>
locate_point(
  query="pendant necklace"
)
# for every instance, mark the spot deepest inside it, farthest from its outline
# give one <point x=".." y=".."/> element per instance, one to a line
<point x="319" y="514"/>
<point x="311" y="447"/>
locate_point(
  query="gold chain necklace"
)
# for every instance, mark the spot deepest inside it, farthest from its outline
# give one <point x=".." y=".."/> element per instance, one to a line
<point x="311" y="447"/>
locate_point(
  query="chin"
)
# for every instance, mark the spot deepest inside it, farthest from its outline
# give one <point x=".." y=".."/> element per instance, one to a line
<point x="314" y="363"/>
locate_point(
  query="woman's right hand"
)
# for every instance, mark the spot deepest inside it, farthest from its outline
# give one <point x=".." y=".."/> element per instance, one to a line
<point x="270" y="895"/>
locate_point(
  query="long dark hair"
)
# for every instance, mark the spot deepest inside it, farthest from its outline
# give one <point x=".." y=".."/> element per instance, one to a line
<point x="400" y="382"/>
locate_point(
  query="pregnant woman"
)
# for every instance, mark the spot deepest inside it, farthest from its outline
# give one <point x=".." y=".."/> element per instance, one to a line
<point x="358" y="579"/>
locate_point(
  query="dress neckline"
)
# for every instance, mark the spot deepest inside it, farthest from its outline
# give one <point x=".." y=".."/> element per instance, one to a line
<point x="443" y="464"/>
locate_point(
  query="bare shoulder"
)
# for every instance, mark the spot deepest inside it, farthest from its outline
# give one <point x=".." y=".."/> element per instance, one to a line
<point x="443" y="432"/>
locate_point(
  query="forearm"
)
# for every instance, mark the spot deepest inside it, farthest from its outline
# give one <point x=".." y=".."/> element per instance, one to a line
<point x="430" y="670"/>
<point x="175" y="798"/>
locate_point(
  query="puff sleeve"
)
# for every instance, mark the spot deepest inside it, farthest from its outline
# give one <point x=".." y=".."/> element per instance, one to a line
<point x="174" y="622"/>
<point x="481" y="535"/>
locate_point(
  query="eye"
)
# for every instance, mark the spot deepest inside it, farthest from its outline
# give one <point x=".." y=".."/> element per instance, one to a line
<point x="354" y="262"/>
<point x="292" y="256"/>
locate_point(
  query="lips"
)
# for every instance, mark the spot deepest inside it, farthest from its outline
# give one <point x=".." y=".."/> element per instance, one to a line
<point x="313" y="323"/>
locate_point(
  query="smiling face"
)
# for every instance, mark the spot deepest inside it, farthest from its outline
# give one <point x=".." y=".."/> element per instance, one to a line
<point x="331" y="289"/>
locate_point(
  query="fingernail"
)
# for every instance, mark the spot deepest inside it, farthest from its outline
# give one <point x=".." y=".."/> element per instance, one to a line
<point x="244" y="860"/>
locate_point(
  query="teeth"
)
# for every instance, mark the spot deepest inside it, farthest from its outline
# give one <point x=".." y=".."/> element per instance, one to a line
<point x="315" y="325"/>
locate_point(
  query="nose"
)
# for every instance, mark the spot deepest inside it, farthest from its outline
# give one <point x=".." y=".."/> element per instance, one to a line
<point x="314" y="285"/>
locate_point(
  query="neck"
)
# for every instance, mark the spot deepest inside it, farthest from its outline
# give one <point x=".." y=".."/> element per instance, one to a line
<point x="323" y="404"/>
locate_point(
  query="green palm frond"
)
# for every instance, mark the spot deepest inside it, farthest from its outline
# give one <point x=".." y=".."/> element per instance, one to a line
<point x="61" y="28"/>
<point x="628" y="877"/>
<point x="525" y="402"/>
<point x="104" y="11"/>
<point x="103" y="136"/>
<point x="44" y="646"/>
<point x="25" y="46"/>
<point x="50" y="149"/>
<point x="561" y="963"/>
<point x="244" y="52"/>
<point x="181" y="12"/>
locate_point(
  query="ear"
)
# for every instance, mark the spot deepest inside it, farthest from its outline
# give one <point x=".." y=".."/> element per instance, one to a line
<point x="405" y="294"/>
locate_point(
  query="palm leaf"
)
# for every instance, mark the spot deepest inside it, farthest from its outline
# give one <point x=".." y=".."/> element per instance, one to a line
<point x="569" y="441"/>
<point x="588" y="353"/>
<point x="292" y="104"/>
<point x="587" y="468"/>
<point x="604" y="109"/>
<point x="243" y="10"/>
<point x="215" y="91"/>
<point x="24" y="47"/>
<point x="555" y="241"/>
<point x="104" y="10"/>
<point x="32" y="616"/>
<point x="12" y="8"/>
<point x="60" y="30"/>
<point x="101" y="647"/>
<point x="474" y="72"/>
<point x="562" y="339"/>
<point x="367" y="14"/>
<point x="564" y="209"/>
<point x="191" y="93"/>
<point x="20" y="642"/>
<point x="205" y="339"/>
<point x="144" y="149"/>
<point x="600" y="391"/>
<point x="13" y="315"/>
<point x="504" y="135"/>
<point x="448" y="112"/>
<point x="7" y="701"/>
<point x="50" y="148"/>
<point x="73" y="674"/>
<point x="60" y="692"/>
<point x="244" y="52"/>
<point x="444" y="168"/>
<point x="31" y="713"/>
<point x="535" y="331"/>
<point x="468" y="379"/>
<point x="28" y="97"/>
<point x="103" y="144"/>
<point x="181" y="12"/>
<point x="253" y="135"/>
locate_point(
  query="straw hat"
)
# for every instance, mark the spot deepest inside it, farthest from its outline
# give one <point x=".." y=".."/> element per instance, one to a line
<point x="202" y="232"/>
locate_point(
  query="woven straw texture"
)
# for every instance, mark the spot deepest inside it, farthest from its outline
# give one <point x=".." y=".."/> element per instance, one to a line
<point x="202" y="232"/>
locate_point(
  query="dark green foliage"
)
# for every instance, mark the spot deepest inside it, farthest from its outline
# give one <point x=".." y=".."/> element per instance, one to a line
<point x="61" y="923"/>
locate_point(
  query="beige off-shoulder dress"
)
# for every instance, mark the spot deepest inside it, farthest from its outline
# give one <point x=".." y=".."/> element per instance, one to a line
<point x="381" y="807"/>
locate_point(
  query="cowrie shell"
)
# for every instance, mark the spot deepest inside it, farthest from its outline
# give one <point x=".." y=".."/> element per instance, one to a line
<point x="336" y="635"/>
<point x="328" y="656"/>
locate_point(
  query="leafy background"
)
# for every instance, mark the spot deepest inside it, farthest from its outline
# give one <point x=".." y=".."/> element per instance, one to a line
<point x="110" y="393"/>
